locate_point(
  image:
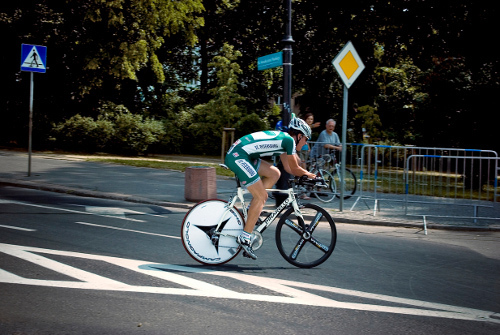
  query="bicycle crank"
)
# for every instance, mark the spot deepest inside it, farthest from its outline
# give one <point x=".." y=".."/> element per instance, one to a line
<point x="257" y="240"/>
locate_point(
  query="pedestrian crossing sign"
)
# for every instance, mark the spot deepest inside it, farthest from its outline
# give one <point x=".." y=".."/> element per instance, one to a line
<point x="33" y="58"/>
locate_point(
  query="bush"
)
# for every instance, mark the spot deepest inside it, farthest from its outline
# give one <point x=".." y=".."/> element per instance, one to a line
<point x="251" y="123"/>
<point x="115" y="130"/>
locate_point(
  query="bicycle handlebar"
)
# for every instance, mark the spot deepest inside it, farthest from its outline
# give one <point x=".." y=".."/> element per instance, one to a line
<point x="309" y="182"/>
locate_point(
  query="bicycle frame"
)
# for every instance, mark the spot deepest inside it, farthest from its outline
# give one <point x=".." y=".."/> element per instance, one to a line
<point x="239" y="196"/>
<point x="338" y="167"/>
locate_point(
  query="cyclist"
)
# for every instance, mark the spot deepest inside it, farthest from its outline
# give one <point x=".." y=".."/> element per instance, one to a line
<point x="243" y="158"/>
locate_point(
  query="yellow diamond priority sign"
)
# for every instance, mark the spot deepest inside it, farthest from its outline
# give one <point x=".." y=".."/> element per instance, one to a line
<point x="348" y="64"/>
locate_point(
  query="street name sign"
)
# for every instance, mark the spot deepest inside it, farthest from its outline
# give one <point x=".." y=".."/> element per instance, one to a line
<point x="270" y="61"/>
<point x="33" y="58"/>
<point x="348" y="64"/>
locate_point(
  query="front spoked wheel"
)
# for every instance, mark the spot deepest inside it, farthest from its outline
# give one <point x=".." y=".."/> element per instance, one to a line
<point x="200" y="239"/>
<point x="312" y="247"/>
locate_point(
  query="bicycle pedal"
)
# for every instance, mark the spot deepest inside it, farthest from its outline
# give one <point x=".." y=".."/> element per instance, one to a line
<point x="245" y="254"/>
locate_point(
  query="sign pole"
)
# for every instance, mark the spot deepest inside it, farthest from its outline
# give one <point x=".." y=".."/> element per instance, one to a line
<point x="30" y="124"/>
<point x="287" y="66"/>
<point x="344" y="148"/>
<point x="287" y="40"/>
<point x="349" y="66"/>
<point x="33" y="59"/>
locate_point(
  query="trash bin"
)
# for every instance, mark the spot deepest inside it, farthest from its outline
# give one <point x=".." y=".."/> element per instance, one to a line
<point x="200" y="183"/>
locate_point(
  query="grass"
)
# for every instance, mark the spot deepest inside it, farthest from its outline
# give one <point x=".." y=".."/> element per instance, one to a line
<point x="436" y="184"/>
<point x="428" y="183"/>
<point x="162" y="164"/>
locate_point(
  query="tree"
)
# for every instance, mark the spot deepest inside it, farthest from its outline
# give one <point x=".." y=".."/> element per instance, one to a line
<point x="401" y="99"/>
<point x="368" y="120"/>
<point x="117" y="51"/>
<point x="222" y="111"/>
<point x="96" y="50"/>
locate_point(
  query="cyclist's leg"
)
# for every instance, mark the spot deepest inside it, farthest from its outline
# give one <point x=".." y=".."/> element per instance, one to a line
<point x="269" y="175"/>
<point x="246" y="171"/>
<point x="256" y="183"/>
<point x="259" y="198"/>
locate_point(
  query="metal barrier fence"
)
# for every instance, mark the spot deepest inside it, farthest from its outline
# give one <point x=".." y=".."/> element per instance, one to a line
<point x="451" y="180"/>
<point x="429" y="175"/>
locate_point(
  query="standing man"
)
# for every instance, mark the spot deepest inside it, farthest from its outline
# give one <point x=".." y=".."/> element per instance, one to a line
<point x="327" y="140"/>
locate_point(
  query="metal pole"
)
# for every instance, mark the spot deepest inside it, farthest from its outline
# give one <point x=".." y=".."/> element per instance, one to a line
<point x="287" y="93"/>
<point x="287" y="65"/>
<point x="30" y="124"/>
<point x="344" y="148"/>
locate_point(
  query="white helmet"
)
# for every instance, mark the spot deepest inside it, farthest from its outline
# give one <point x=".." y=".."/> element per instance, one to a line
<point x="300" y="125"/>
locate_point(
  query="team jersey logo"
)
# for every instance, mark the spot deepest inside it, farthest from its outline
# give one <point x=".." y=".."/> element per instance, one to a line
<point x="263" y="146"/>
<point x="246" y="167"/>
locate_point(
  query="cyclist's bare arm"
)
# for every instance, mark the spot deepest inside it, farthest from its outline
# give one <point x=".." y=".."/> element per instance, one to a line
<point x="291" y="166"/>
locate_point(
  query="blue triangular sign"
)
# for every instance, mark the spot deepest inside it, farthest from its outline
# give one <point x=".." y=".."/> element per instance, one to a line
<point x="33" y="58"/>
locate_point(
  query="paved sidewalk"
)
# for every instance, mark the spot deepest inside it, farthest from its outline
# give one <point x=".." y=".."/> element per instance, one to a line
<point x="72" y="174"/>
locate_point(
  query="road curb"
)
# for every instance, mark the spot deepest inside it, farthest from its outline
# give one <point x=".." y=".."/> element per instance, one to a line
<point x="88" y="193"/>
<point x="135" y="199"/>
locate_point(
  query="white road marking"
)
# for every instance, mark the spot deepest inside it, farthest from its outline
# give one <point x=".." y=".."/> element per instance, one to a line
<point x="129" y="230"/>
<point x="16" y="228"/>
<point x="289" y="292"/>
<point x="116" y="211"/>
<point x="70" y="210"/>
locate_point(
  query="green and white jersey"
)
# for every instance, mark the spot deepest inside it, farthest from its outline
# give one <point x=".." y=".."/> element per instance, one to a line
<point x="264" y="143"/>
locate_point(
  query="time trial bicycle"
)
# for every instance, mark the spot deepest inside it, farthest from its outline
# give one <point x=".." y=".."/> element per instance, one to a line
<point x="305" y="234"/>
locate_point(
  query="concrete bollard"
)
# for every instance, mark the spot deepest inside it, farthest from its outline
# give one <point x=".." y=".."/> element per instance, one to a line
<point x="200" y="183"/>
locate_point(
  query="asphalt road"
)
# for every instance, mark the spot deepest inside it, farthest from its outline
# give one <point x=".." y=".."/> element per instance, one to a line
<point x="77" y="265"/>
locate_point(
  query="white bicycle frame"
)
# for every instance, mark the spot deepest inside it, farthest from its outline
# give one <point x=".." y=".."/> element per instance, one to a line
<point x="240" y="192"/>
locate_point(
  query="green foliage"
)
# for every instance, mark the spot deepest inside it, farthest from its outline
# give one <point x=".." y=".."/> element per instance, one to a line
<point x="423" y="74"/>
<point x="370" y="121"/>
<point x="122" y="37"/>
<point x="251" y="123"/>
<point x="115" y="130"/>
<point x="400" y="98"/>
<point x="83" y="133"/>
<point x="175" y="119"/>
<point x="222" y="111"/>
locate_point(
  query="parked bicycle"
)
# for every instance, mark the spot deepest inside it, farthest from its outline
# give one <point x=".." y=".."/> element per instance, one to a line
<point x="305" y="234"/>
<point x="322" y="193"/>
<point x="333" y="179"/>
<point x="349" y="182"/>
